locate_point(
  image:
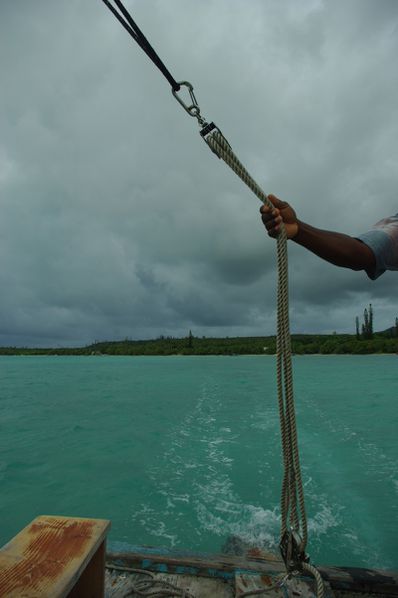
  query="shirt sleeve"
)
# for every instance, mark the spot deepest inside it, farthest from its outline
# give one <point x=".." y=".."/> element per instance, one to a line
<point x="382" y="239"/>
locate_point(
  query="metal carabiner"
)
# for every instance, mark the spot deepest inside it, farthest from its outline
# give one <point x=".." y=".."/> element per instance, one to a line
<point x="192" y="109"/>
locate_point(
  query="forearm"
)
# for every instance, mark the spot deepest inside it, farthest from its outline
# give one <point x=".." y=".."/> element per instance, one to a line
<point x="336" y="248"/>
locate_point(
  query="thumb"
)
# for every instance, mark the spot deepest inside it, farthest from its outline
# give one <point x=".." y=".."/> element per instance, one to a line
<point x="277" y="203"/>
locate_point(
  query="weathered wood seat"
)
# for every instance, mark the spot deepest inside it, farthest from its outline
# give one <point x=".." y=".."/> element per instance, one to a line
<point x="55" y="557"/>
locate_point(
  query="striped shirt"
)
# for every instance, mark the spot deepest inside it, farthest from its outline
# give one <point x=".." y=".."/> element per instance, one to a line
<point x="383" y="241"/>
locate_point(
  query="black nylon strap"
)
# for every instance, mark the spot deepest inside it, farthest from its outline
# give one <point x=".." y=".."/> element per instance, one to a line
<point x="132" y="28"/>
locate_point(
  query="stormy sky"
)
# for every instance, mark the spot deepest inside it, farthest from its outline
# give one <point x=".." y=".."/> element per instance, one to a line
<point x="117" y="221"/>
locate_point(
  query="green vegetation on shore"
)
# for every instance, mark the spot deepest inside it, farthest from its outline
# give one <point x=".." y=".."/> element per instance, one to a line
<point x="302" y="344"/>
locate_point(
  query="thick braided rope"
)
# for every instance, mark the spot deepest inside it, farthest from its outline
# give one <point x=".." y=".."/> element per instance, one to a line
<point x="284" y="369"/>
<point x="320" y="587"/>
<point x="292" y="487"/>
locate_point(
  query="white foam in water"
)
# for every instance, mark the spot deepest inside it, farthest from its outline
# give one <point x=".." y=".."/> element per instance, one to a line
<point x="254" y="525"/>
<point x="149" y="519"/>
<point x="323" y="521"/>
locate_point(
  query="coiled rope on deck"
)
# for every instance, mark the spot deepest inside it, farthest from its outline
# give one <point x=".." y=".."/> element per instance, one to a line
<point x="141" y="582"/>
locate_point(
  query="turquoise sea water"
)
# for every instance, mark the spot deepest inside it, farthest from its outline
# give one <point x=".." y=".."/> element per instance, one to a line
<point x="185" y="451"/>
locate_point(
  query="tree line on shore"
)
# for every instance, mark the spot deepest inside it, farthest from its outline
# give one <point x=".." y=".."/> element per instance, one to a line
<point x="364" y="341"/>
<point x="302" y="344"/>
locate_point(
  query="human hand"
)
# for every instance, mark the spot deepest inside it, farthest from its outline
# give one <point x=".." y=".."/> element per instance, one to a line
<point x="273" y="217"/>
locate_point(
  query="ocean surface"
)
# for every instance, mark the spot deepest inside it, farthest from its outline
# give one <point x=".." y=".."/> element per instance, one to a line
<point x="184" y="452"/>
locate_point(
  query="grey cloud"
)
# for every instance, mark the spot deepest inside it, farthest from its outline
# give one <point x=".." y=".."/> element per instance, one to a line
<point x="116" y="220"/>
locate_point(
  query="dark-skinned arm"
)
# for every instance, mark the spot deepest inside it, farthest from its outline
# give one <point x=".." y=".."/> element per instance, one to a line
<point x="337" y="248"/>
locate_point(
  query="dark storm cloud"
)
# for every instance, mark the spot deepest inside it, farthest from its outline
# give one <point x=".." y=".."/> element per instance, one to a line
<point x="116" y="220"/>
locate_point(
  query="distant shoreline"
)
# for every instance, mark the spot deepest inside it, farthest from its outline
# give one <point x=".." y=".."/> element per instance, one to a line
<point x="273" y="355"/>
<point x="382" y="343"/>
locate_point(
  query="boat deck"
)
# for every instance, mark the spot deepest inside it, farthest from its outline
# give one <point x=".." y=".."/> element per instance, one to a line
<point x="165" y="573"/>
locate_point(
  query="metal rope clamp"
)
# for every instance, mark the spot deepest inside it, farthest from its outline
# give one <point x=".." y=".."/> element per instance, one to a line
<point x="291" y="551"/>
<point x="207" y="131"/>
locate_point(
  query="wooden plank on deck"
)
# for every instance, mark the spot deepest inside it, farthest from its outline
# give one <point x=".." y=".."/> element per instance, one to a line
<point x="55" y="557"/>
